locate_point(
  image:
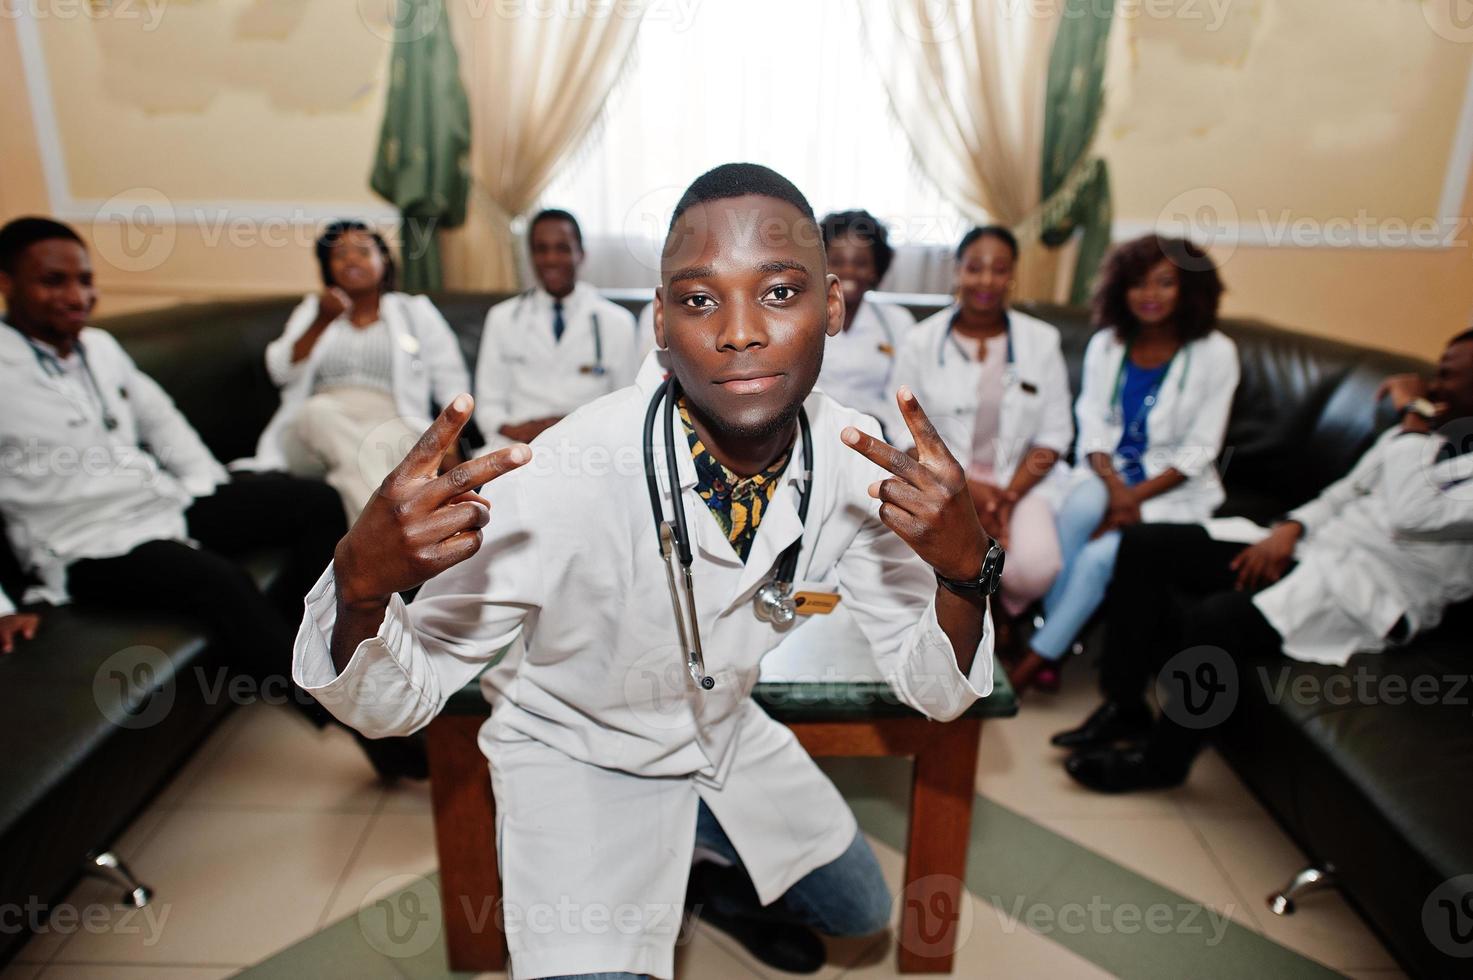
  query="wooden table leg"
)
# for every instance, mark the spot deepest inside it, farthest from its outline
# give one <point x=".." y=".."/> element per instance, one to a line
<point x="465" y="841"/>
<point x="936" y="855"/>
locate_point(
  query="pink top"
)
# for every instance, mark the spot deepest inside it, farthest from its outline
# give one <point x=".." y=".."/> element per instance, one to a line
<point x="989" y="401"/>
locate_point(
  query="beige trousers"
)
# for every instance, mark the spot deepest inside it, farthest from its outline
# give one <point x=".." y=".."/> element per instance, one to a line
<point x="351" y="437"/>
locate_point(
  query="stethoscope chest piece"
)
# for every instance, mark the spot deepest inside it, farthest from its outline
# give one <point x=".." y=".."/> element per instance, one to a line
<point x="774" y="604"/>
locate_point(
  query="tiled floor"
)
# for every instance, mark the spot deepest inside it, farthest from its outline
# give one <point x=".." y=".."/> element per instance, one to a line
<point x="274" y="831"/>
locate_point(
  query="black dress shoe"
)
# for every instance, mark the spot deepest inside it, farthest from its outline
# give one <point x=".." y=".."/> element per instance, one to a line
<point x="1111" y="770"/>
<point x="724" y="898"/>
<point x="1111" y="722"/>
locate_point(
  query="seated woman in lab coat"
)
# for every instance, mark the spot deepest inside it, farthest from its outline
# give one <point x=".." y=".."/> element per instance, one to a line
<point x="1370" y="563"/>
<point x="1153" y="408"/>
<point x="617" y="753"/>
<point x="361" y="369"/>
<point x="858" y="359"/>
<point x="995" y="382"/>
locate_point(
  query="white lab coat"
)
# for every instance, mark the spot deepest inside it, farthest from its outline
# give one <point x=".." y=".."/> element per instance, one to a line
<point x="600" y="743"/>
<point x="1393" y="538"/>
<point x="427" y="368"/>
<point x="1184" y="431"/>
<point x="857" y="362"/>
<point x="74" y="490"/>
<point x="1035" y="403"/>
<point x="522" y="373"/>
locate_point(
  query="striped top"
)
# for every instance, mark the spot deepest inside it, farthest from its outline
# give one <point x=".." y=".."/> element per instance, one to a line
<point x="360" y="357"/>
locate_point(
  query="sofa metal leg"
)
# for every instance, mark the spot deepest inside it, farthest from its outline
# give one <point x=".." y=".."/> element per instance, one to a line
<point x="1309" y="880"/>
<point x="109" y="867"/>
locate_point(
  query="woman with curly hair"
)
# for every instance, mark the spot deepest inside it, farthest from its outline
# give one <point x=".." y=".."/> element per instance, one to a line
<point x="1158" y="386"/>
<point x="361" y="368"/>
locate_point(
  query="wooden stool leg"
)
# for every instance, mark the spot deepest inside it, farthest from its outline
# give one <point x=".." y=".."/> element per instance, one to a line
<point x="465" y="840"/>
<point x="936" y="856"/>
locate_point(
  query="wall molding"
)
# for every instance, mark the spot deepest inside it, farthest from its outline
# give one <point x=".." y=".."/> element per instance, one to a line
<point x="119" y="209"/>
<point x="1338" y="233"/>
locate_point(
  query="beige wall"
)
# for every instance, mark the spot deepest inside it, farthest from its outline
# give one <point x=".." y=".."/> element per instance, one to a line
<point x="258" y="118"/>
<point x="1229" y="118"/>
<point x="1309" y="121"/>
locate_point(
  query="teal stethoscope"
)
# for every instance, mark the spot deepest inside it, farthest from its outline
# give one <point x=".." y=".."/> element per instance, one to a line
<point x="1117" y="398"/>
<point x="52" y="368"/>
<point x="774" y="601"/>
<point x="948" y="339"/>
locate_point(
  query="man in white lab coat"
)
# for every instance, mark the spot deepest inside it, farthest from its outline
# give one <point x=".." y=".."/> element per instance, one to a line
<point x="1370" y="563"/>
<point x="553" y="348"/>
<point x="111" y="499"/>
<point x="611" y="765"/>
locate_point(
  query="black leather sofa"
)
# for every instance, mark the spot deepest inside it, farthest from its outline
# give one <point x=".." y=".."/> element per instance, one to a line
<point x="1380" y="791"/>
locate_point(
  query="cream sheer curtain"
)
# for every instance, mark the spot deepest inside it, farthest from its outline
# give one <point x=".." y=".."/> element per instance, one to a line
<point x="967" y="80"/>
<point x="537" y="80"/>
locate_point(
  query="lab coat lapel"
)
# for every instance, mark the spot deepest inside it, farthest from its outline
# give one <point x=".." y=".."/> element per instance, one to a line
<point x="779" y="528"/>
<point x="707" y="539"/>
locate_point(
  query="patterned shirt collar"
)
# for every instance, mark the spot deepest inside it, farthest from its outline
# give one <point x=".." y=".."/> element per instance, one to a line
<point x="736" y="502"/>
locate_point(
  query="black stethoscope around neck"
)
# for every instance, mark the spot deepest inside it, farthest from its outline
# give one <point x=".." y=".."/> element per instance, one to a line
<point x="948" y="338"/>
<point x="51" y="366"/>
<point x="774" y="599"/>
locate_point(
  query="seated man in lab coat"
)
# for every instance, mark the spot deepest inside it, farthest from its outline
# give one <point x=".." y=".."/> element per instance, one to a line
<point x="611" y="764"/>
<point x="111" y="499"/>
<point x="1367" y="565"/>
<point x="553" y="348"/>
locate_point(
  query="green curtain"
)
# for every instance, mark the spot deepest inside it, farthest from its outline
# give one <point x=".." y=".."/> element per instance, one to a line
<point x="422" y="166"/>
<point x="1076" y="186"/>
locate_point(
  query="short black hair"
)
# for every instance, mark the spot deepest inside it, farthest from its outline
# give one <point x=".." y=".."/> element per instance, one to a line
<point x="1462" y="338"/>
<point x="988" y="231"/>
<point x="1198" y="294"/>
<point x="22" y="233"/>
<point x="334" y="232"/>
<point x="738" y="180"/>
<point x="864" y="226"/>
<point x="555" y="214"/>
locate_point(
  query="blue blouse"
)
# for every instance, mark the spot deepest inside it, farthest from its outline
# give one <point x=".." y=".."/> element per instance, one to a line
<point x="1138" y="393"/>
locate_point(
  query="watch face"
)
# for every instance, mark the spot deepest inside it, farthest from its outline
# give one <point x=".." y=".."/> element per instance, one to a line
<point x="992" y="568"/>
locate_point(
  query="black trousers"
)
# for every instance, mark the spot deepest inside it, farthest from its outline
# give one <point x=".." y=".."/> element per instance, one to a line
<point x="304" y="517"/>
<point x="1174" y="610"/>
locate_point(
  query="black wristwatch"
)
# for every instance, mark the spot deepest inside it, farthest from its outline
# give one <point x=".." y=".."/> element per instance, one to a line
<point x="986" y="583"/>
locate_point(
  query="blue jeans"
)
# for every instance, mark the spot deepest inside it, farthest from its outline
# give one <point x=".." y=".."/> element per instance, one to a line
<point x="1088" y="567"/>
<point x="846" y="897"/>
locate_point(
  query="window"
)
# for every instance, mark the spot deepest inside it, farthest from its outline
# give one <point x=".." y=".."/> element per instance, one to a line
<point x="785" y="83"/>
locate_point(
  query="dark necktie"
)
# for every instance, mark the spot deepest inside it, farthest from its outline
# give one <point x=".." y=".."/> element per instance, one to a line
<point x="558" y="326"/>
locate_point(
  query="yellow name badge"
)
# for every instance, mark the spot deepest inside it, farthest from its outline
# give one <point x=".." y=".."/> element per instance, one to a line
<point x="815" y="603"/>
<point x="886" y="349"/>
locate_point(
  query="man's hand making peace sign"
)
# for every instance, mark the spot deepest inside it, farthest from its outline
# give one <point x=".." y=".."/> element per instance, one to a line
<point x="418" y="524"/>
<point x="927" y="504"/>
